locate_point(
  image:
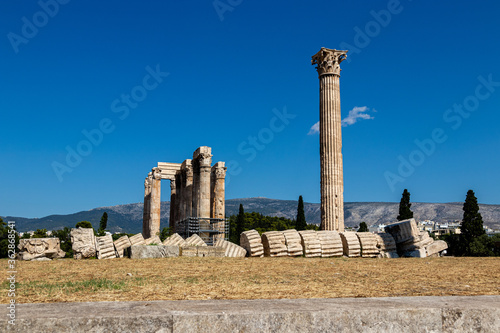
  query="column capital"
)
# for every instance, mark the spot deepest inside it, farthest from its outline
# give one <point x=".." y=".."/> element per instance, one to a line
<point x="156" y="173"/>
<point x="172" y="185"/>
<point x="328" y="61"/>
<point x="219" y="169"/>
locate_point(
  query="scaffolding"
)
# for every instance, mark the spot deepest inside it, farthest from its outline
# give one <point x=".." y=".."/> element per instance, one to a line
<point x="210" y="230"/>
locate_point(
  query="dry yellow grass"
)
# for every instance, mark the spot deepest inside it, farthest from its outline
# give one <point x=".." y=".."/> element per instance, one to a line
<point x="182" y="278"/>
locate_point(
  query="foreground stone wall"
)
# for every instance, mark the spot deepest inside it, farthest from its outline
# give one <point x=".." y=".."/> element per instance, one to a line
<point x="397" y="314"/>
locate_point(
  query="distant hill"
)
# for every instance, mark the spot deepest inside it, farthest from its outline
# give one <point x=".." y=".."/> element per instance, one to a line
<point x="128" y="218"/>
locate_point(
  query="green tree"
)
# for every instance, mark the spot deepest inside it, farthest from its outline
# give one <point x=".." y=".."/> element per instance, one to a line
<point x="363" y="227"/>
<point x="40" y="233"/>
<point x="472" y="225"/>
<point x="240" y="224"/>
<point x="165" y="232"/>
<point x="300" y="223"/>
<point x="103" y="224"/>
<point x="404" y="207"/>
<point x="5" y="231"/>
<point x="64" y="236"/>
<point x="83" y="224"/>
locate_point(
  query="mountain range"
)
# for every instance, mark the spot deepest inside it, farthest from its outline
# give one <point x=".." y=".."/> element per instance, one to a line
<point x="128" y="217"/>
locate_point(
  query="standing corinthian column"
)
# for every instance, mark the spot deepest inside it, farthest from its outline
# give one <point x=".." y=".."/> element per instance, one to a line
<point x="154" y="208"/>
<point x="330" y="131"/>
<point x="202" y="161"/>
<point x="147" y="202"/>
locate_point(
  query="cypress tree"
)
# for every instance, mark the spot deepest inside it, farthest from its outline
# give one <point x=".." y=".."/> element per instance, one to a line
<point x="103" y="224"/>
<point x="240" y="224"/>
<point x="300" y="223"/>
<point x="472" y="223"/>
<point x="404" y="207"/>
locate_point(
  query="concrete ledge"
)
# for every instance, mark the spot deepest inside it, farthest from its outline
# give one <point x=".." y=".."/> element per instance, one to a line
<point x="395" y="314"/>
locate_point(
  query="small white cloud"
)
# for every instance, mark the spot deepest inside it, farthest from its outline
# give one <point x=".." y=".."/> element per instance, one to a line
<point x="314" y="129"/>
<point x="358" y="112"/>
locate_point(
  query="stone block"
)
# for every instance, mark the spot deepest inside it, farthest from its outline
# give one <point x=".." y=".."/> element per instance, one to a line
<point x="35" y="248"/>
<point x="84" y="245"/>
<point x="153" y="240"/>
<point x="121" y="244"/>
<point x="105" y="247"/>
<point x="331" y="243"/>
<point x="274" y="244"/>
<point x="137" y="239"/>
<point x="404" y="231"/>
<point x="293" y="243"/>
<point x="195" y="240"/>
<point x="189" y="251"/>
<point x="310" y="243"/>
<point x="436" y="247"/>
<point x="252" y="242"/>
<point x="385" y="242"/>
<point x="230" y="249"/>
<point x="350" y="243"/>
<point x="175" y="239"/>
<point x="153" y="251"/>
<point x="368" y="243"/>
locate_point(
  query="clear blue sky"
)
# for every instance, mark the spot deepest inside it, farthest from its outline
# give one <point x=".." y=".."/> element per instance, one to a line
<point x="228" y="68"/>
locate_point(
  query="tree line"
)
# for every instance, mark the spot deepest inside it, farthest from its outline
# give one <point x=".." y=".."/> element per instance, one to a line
<point x="472" y="240"/>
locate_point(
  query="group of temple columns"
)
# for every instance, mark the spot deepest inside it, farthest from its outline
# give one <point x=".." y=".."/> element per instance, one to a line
<point x="196" y="190"/>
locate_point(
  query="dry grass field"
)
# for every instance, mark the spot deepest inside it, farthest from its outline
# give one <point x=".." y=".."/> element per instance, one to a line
<point x="183" y="278"/>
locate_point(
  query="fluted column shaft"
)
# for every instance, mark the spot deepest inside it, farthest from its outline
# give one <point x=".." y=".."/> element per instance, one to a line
<point x="155" y="202"/>
<point x="332" y="183"/>
<point x="147" y="204"/>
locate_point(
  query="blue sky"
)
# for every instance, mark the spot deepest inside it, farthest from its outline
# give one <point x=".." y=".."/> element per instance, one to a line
<point x="423" y="79"/>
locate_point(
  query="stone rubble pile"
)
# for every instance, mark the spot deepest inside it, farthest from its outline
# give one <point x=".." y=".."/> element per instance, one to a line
<point x="401" y="239"/>
<point x="252" y="242"/>
<point x="410" y="242"/>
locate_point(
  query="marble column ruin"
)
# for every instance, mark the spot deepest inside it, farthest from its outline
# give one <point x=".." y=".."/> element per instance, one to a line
<point x="217" y="191"/>
<point x="330" y="128"/>
<point x="202" y="161"/>
<point x="196" y="190"/>
<point x="147" y="201"/>
<point x="153" y="225"/>
<point x="187" y="185"/>
<point x="173" y="203"/>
